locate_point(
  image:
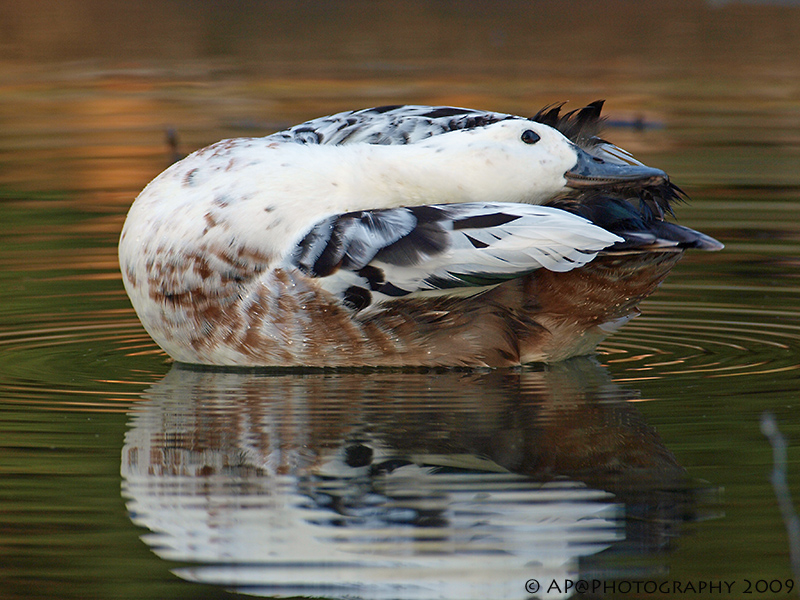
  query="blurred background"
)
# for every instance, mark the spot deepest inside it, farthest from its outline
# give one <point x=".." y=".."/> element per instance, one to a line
<point x="91" y="86"/>
<point x="98" y="97"/>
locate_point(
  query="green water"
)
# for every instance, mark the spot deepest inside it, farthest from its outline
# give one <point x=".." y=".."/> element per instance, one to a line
<point x="661" y="431"/>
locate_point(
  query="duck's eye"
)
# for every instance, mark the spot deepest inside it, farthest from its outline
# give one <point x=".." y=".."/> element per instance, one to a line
<point x="530" y="137"/>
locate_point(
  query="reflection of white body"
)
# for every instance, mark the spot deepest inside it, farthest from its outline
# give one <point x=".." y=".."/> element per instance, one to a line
<point x="271" y="506"/>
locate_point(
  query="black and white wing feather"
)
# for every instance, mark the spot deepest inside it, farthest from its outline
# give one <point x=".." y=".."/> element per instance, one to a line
<point x="388" y="125"/>
<point x="375" y="256"/>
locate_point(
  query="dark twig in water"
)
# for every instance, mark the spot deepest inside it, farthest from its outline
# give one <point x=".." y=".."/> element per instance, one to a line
<point x="769" y="427"/>
<point x="173" y="145"/>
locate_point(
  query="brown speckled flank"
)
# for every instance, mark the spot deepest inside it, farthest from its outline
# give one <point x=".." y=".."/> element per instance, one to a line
<point x="287" y="320"/>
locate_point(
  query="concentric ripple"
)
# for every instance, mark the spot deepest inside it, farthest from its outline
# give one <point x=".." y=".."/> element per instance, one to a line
<point x="74" y="361"/>
<point x="713" y="340"/>
<point x="716" y="340"/>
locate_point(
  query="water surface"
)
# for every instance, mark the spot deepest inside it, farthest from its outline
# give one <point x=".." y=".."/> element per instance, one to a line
<point x="124" y="476"/>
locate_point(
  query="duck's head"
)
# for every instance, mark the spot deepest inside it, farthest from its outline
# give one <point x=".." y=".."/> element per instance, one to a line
<point x="521" y="160"/>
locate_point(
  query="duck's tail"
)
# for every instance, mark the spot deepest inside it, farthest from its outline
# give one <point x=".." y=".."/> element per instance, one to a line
<point x="633" y="219"/>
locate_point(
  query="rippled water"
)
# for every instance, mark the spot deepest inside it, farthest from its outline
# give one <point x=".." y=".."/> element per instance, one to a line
<point x="124" y="476"/>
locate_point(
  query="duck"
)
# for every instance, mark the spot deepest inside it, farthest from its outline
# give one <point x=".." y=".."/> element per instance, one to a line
<point x="402" y="236"/>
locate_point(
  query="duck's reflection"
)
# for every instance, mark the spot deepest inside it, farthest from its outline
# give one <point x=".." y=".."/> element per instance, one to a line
<point x="384" y="484"/>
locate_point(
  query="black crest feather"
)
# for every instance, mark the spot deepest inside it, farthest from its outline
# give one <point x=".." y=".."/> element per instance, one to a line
<point x="579" y="125"/>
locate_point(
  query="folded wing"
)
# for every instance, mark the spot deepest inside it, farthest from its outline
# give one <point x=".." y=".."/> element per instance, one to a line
<point x="368" y="257"/>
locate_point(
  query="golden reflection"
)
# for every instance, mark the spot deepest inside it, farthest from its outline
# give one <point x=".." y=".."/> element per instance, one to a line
<point x="91" y="92"/>
<point x="87" y="91"/>
<point x="715" y="340"/>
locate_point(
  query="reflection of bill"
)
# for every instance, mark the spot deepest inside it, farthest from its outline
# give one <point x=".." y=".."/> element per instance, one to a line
<point x="386" y="484"/>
